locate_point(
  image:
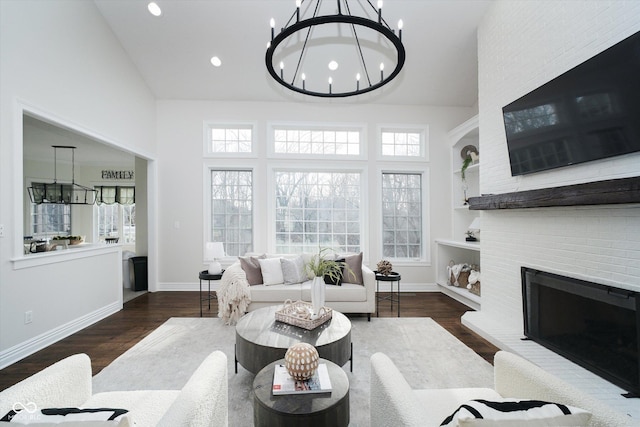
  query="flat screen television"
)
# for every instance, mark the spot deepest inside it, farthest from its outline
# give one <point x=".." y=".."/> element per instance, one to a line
<point x="590" y="112"/>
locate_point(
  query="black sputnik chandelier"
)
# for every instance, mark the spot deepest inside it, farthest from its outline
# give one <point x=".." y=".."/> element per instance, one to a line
<point x="336" y="49"/>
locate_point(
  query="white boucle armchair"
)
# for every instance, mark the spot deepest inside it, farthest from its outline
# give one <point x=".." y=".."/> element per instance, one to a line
<point x="394" y="403"/>
<point x="202" y="402"/>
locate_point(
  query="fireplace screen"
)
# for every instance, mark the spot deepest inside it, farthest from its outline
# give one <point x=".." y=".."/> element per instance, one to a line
<point x="593" y="325"/>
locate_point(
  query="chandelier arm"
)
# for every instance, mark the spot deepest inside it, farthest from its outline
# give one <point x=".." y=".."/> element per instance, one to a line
<point x="306" y="39"/>
<point x="355" y="35"/>
<point x="304" y="46"/>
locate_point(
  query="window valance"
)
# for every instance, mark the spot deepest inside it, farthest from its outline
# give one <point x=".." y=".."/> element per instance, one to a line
<point x="110" y="194"/>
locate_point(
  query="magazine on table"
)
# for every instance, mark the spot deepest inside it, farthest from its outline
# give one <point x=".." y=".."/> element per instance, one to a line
<point x="283" y="383"/>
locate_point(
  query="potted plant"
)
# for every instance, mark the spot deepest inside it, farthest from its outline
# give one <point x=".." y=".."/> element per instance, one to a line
<point x="323" y="267"/>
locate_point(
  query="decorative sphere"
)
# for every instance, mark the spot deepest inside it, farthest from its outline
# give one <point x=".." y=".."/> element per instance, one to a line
<point x="301" y="361"/>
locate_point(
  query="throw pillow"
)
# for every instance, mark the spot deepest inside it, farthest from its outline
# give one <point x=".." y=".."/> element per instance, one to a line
<point x="337" y="281"/>
<point x="271" y="271"/>
<point x="506" y="412"/>
<point x="293" y="270"/>
<point x="353" y="274"/>
<point x="251" y="268"/>
<point x="51" y="416"/>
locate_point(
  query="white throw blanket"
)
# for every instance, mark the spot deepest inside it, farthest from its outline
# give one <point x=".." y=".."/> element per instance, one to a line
<point x="233" y="296"/>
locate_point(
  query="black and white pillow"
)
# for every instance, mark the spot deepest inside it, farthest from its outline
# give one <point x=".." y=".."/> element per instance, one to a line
<point x="507" y="412"/>
<point x="35" y="417"/>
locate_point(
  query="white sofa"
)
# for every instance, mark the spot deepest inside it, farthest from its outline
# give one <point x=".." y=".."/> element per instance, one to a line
<point x="395" y="403"/>
<point x="202" y="402"/>
<point x="346" y="298"/>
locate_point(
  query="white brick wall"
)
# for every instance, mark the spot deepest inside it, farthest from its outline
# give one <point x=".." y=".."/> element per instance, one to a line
<point x="522" y="45"/>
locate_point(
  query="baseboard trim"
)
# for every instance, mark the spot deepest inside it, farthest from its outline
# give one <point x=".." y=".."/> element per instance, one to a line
<point x="37" y="343"/>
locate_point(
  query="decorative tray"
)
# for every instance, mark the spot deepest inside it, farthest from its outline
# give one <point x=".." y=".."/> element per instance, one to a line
<point x="299" y="314"/>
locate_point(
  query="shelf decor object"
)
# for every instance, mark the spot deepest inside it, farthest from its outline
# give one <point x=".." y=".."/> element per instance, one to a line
<point x="301" y="361"/>
<point x="320" y="38"/>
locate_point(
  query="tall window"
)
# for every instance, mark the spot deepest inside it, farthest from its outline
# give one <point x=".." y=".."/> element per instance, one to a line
<point x="50" y="219"/>
<point x="117" y="220"/>
<point x="232" y="210"/>
<point x="317" y="209"/>
<point x="402" y="215"/>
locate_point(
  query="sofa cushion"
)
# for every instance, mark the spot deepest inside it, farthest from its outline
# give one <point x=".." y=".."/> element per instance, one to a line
<point x="348" y="292"/>
<point x="271" y="269"/>
<point x="353" y="271"/>
<point x="251" y="267"/>
<point x="335" y="281"/>
<point x="525" y="412"/>
<point x="293" y="270"/>
<point x="75" y="416"/>
<point x="276" y="293"/>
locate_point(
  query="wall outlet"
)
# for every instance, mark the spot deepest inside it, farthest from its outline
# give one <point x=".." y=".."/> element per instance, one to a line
<point x="28" y="317"/>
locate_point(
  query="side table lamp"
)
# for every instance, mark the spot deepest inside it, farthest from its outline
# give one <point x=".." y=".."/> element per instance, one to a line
<point x="213" y="252"/>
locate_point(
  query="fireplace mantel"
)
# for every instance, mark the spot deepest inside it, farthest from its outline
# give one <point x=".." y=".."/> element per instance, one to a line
<point x="608" y="192"/>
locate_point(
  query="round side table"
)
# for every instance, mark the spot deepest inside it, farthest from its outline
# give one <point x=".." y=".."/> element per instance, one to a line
<point x="321" y="409"/>
<point x="391" y="277"/>
<point x="204" y="275"/>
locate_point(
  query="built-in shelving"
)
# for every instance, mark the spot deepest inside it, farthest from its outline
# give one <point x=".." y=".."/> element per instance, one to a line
<point x="453" y="247"/>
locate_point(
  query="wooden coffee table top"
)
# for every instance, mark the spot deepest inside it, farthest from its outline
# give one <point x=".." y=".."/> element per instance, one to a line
<point x="261" y="339"/>
<point x="323" y="409"/>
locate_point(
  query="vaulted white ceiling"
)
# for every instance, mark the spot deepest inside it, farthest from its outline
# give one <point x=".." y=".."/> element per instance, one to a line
<point x="172" y="52"/>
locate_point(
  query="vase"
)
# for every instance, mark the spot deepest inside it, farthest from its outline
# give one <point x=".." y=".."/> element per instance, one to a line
<point x="317" y="295"/>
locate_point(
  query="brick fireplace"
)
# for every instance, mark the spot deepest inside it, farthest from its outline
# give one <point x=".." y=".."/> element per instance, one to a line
<point x="521" y="46"/>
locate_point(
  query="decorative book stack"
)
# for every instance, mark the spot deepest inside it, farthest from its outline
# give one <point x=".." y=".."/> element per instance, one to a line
<point x="283" y="383"/>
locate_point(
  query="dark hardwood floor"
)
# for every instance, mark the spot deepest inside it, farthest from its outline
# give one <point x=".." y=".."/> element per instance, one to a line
<point x="109" y="338"/>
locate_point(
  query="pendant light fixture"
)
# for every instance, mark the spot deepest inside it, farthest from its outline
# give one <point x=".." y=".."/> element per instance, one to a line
<point x="57" y="193"/>
<point x="304" y="51"/>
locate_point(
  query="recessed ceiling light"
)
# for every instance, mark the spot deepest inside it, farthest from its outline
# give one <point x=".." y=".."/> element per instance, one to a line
<point x="215" y="61"/>
<point x="154" y="9"/>
<point x="333" y="65"/>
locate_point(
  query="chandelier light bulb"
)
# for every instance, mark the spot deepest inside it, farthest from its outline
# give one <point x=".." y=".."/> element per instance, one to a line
<point x="400" y="24"/>
<point x="358" y="77"/>
<point x="379" y="4"/>
<point x="379" y="11"/>
<point x="215" y="61"/>
<point x="382" y="66"/>
<point x="272" y="23"/>
<point x="333" y="65"/>
<point x="303" y="77"/>
<point x="154" y="9"/>
<point x="281" y="70"/>
<point x="357" y="81"/>
<point x="330" y="80"/>
<point x="381" y="71"/>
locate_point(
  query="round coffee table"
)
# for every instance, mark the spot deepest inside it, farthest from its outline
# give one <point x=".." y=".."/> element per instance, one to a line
<point x="323" y="409"/>
<point x="260" y="339"/>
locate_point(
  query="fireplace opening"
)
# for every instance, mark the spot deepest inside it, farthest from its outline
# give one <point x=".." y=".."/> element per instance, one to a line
<point x="593" y="325"/>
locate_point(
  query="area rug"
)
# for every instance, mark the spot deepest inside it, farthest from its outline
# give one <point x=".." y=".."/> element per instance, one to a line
<point x="427" y="355"/>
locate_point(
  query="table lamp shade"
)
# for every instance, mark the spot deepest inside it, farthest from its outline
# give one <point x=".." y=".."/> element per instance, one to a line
<point x="475" y="224"/>
<point x="212" y="252"/>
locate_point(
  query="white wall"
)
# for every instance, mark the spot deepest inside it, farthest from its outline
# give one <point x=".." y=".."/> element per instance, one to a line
<point x="62" y="62"/>
<point x="522" y="45"/>
<point x="181" y="194"/>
